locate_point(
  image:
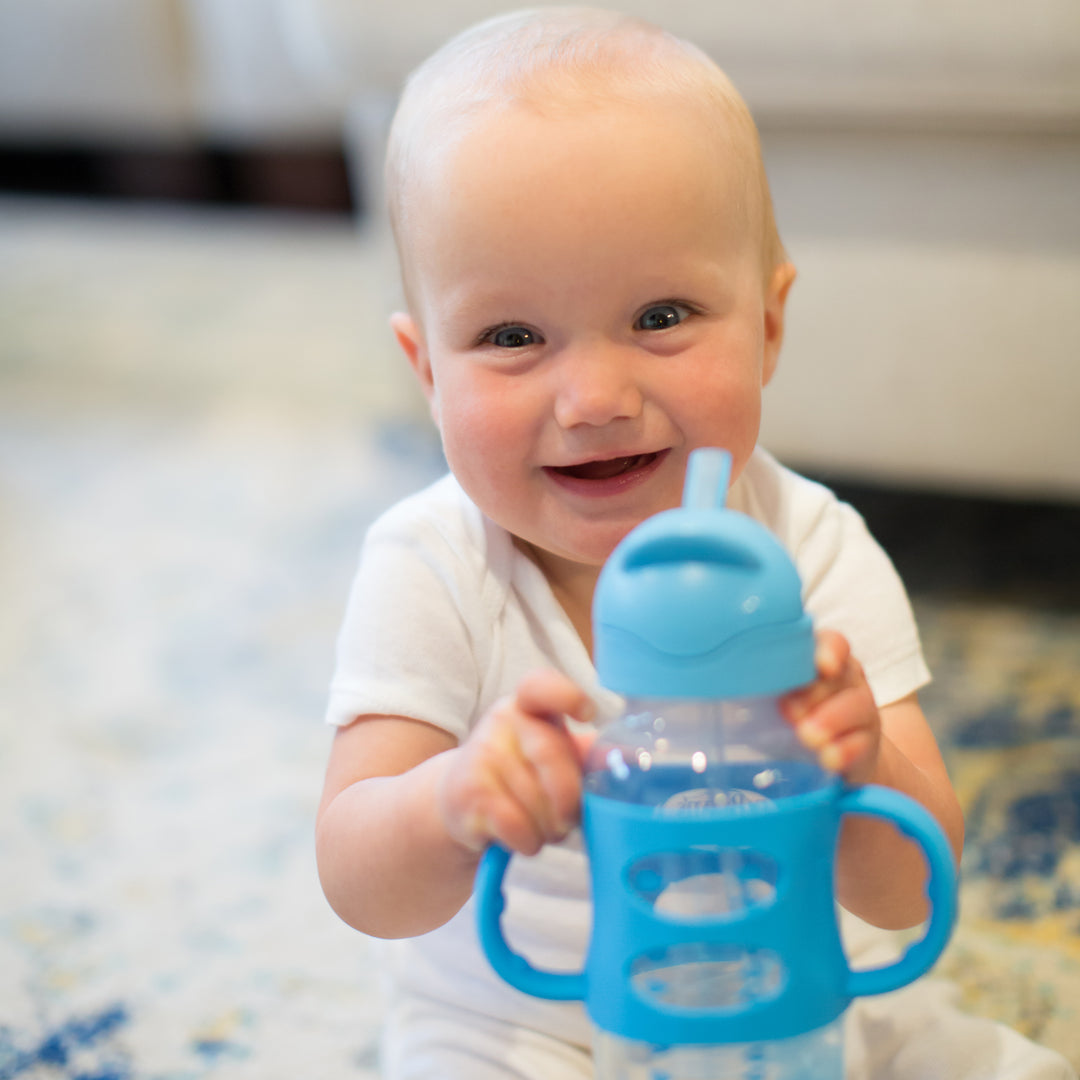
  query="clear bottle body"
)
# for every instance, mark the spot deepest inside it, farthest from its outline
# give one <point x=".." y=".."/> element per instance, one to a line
<point x="817" y="1055"/>
<point x="687" y="754"/>
<point x="682" y="756"/>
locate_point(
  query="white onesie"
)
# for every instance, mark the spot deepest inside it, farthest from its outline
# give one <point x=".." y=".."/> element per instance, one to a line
<point x="444" y="618"/>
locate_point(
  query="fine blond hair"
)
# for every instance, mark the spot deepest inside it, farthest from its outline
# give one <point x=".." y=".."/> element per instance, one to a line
<point x="560" y="58"/>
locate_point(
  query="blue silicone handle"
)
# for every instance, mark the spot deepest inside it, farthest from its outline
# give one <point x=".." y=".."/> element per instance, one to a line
<point x="916" y="822"/>
<point x="512" y="966"/>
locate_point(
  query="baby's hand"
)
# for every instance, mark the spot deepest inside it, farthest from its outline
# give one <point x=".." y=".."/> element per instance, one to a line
<point x="836" y="715"/>
<point x="516" y="780"/>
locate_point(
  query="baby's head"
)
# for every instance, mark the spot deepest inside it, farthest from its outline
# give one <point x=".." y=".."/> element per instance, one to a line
<point x="550" y="61"/>
<point x="594" y="282"/>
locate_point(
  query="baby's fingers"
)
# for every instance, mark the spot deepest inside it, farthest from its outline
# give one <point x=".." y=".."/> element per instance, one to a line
<point x="516" y="817"/>
<point x="544" y="698"/>
<point x="850" y="755"/>
<point x="844" y="731"/>
<point x="553" y="755"/>
<point x="831" y="655"/>
<point x="550" y="695"/>
<point x="486" y="798"/>
<point x="519" y="781"/>
<point x="838" y="738"/>
<point x="836" y="670"/>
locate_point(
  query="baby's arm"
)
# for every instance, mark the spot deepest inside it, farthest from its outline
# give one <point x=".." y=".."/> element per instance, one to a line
<point x="880" y="874"/>
<point x="406" y="812"/>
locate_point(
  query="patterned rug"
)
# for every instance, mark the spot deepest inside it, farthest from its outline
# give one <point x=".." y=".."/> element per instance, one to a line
<point x="198" y="417"/>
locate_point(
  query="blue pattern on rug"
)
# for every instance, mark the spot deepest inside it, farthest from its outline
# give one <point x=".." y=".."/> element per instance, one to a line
<point x="82" y="1048"/>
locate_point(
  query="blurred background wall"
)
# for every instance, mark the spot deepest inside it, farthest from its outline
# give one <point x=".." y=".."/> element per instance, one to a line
<point x="925" y="160"/>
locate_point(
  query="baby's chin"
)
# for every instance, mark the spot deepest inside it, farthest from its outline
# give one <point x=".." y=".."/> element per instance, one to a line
<point x="584" y="553"/>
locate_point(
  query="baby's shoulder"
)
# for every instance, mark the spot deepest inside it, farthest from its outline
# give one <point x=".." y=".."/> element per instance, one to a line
<point x="790" y="505"/>
<point x="439" y="511"/>
<point x="442" y="527"/>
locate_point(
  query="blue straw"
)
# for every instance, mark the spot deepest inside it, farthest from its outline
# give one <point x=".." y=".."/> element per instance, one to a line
<point x="708" y="473"/>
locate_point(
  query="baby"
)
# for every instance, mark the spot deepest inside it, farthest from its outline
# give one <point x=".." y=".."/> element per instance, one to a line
<point x="594" y="287"/>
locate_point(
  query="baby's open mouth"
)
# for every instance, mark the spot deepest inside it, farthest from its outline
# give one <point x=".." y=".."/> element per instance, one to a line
<point x="607" y="469"/>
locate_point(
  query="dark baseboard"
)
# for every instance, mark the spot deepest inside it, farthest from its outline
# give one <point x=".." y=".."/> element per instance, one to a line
<point x="309" y="178"/>
<point x="1008" y="550"/>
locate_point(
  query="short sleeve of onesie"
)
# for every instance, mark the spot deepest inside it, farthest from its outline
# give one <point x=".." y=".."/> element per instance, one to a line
<point x="415" y="622"/>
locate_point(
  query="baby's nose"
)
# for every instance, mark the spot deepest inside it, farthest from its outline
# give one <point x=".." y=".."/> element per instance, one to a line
<point x="597" y="386"/>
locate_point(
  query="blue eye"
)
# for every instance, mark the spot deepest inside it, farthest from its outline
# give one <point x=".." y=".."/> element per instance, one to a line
<point x="662" y="317"/>
<point x="512" y="337"/>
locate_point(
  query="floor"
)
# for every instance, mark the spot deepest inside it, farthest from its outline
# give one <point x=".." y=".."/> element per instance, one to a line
<point x="198" y="418"/>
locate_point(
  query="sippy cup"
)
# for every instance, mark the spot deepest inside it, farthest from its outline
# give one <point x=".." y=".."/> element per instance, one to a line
<point x="710" y="830"/>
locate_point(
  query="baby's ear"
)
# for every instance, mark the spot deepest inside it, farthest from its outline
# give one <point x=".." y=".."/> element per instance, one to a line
<point x="411" y="339"/>
<point x="776" y="295"/>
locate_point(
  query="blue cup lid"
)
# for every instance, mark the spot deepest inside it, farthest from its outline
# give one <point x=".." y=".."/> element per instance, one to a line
<point x="701" y="601"/>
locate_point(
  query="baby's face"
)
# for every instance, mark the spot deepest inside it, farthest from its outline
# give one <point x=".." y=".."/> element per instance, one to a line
<point x="587" y="309"/>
